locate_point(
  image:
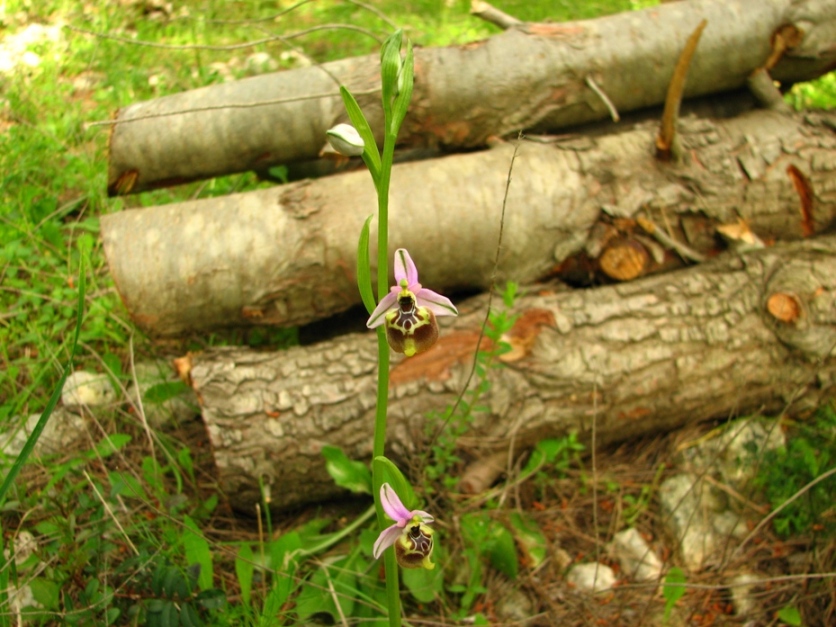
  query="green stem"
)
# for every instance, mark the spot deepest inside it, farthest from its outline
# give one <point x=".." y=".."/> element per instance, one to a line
<point x="389" y="561"/>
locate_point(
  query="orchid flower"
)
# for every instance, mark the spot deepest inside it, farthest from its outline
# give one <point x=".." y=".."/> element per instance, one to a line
<point x="410" y="535"/>
<point x="409" y="310"/>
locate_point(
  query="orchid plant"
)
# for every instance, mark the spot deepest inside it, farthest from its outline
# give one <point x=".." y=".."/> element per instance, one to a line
<point x="404" y="315"/>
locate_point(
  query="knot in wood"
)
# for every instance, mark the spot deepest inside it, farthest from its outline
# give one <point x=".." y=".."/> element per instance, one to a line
<point x="784" y="307"/>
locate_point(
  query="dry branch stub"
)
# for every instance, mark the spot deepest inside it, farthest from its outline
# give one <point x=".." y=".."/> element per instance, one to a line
<point x="631" y="359"/>
<point x="465" y="95"/>
<point x="286" y="256"/>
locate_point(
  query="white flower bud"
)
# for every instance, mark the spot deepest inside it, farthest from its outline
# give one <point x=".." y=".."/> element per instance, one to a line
<point x="345" y="139"/>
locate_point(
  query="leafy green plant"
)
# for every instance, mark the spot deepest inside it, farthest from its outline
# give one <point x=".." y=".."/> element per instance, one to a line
<point x="817" y="94"/>
<point x="673" y="589"/>
<point x="808" y="455"/>
<point x="790" y="615"/>
<point x="637" y="505"/>
<point x="444" y="428"/>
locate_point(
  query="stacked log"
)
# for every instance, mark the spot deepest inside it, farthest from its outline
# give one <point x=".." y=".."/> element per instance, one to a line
<point x="703" y="284"/>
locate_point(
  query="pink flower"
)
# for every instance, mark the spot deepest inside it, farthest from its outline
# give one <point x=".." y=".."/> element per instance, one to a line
<point x="409" y="310"/>
<point x="410" y="535"/>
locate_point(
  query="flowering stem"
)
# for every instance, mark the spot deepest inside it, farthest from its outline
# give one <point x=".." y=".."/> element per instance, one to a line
<point x="389" y="560"/>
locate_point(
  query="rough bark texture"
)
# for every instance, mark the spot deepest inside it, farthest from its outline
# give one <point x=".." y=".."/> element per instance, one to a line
<point x="287" y="255"/>
<point x="630" y="359"/>
<point x="534" y="76"/>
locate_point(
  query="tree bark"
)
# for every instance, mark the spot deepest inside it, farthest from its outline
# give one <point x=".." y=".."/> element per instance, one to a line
<point x="625" y="360"/>
<point x="535" y="77"/>
<point x="287" y="255"/>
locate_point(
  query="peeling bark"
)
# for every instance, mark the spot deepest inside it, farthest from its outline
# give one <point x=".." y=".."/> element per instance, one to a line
<point x="287" y="255"/>
<point x="629" y="359"/>
<point x="534" y="76"/>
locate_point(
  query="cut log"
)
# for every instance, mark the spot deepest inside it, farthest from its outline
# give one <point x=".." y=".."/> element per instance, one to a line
<point x="534" y="76"/>
<point x="627" y="360"/>
<point x="287" y="255"/>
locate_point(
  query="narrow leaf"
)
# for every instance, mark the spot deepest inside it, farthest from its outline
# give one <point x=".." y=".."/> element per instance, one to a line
<point x="371" y="155"/>
<point x="673" y="589"/>
<point x="197" y="552"/>
<point x="502" y="551"/>
<point x="364" y="271"/>
<point x="244" y="570"/>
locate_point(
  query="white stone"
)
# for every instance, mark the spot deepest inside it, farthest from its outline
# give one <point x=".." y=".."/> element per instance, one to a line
<point x="728" y="524"/>
<point x="25" y="545"/>
<point x="88" y="389"/>
<point x="690" y="507"/>
<point x="733" y="454"/>
<point x="744" y="601"/>
<point x="591" y="577"/>
<point x="61" y="430"/>
<point x="21" y="598"/>
<point x="637" y="559"/>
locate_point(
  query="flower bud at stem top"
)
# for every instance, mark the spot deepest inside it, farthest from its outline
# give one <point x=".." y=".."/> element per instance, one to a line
<point x="345" y="139"/>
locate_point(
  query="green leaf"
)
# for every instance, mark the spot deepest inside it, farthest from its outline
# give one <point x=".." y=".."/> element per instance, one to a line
<point x="529" y="537"/>
<point x="393" y="476"/>
<point x="364" y="271"/>
<point x="244" y="567"/>
<point x="371" y="155"/>
<point x="502" y="551"/>
<point x="169" y="614"/>
<point x="790" y="615"/>
<point x="174" y="583"/>
<point x="189" y="616"/>
<point x="474" y="528"/>
<point x="126" y="485"/>
<point x="211" y="599"/>
<point x="109" y="445"/>
<point x="197" y="552"/>
<point x="474" y="581"/>
<point x="162" y="392"/>
<point x="284" y="557"/>
<point x="184" y="458"/>
<point x="423" y="584"/>
<point x="673" y="590"/>
<point x="347" y="473"/>
<point x="316" y="596"/>
<point x="45" y="592"/>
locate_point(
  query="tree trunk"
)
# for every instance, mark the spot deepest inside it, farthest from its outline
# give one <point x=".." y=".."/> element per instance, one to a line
<point x="742" y="333"/>
<point x="535" y="77"/>
<point x="287" y="255"/>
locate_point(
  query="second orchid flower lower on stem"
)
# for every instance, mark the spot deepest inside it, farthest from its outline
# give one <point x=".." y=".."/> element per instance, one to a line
<point x="410" y="535"/>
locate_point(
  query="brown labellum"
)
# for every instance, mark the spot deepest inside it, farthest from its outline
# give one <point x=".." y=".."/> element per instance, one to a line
<point x="784" y="307"/>
<point x="624" y="260"/>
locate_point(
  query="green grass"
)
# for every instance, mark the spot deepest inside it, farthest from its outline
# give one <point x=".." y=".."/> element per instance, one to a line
<point x="119" y="528"/>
